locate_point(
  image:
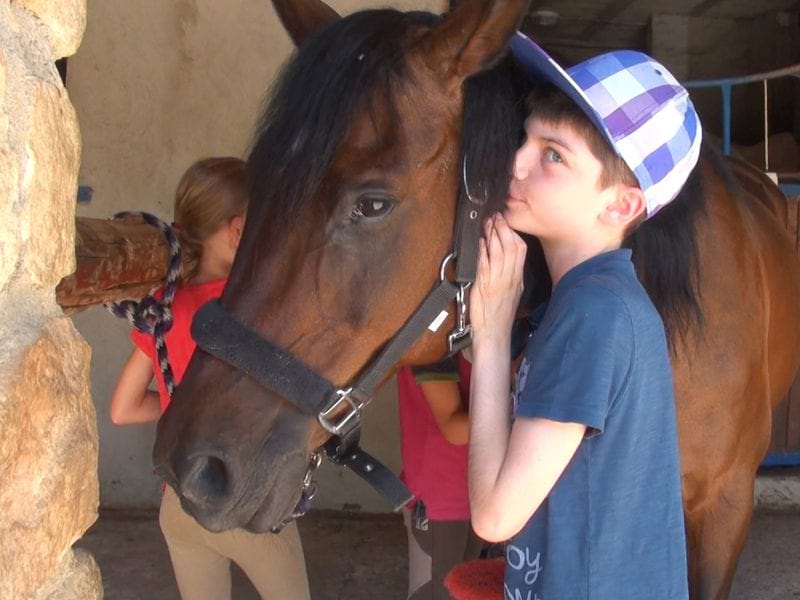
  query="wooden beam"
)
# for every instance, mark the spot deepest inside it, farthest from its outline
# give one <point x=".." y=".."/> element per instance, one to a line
<point x="605" y="16"/>
<point x="116" y="260"/>
<point x="536" y="5"/>
<point x="703" y="7"/>
<point x="566" y="35"/>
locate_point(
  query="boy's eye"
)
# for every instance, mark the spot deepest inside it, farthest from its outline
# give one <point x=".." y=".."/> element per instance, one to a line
<point x="553" y="156"/>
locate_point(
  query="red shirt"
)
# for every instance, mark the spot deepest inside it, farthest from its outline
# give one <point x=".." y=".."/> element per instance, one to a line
<point x="180" y="345"/>
<point x="433" y="469"/>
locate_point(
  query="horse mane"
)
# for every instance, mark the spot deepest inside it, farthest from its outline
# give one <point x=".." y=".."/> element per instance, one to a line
<point x="313" y="105"/>
<point x="666" y="254"/>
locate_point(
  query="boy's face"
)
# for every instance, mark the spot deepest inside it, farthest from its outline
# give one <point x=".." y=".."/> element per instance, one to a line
<point x="554" y="192"/>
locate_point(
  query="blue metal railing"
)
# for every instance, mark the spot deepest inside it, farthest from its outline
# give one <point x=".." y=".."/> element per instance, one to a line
<point x="726" y="85"/>
<point x="781" y="460"/>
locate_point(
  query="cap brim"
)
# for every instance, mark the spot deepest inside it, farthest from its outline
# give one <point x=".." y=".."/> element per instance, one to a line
<point x="538" y="65"/>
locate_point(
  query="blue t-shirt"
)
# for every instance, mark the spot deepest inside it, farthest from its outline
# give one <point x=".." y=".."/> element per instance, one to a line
<point x="612" y="526"/>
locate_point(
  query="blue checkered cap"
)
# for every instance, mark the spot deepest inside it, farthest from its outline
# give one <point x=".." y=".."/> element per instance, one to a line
<point x="639" y="107"/>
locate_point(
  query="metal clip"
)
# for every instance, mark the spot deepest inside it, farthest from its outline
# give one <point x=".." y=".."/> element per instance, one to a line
<point x="309" y="485"/>
<point x="316" y="461"/>
<point x="461" y="336"/>
<point x="348" y="421"/>
<point x="421" y="521"/>
<point x="307" y="493"/>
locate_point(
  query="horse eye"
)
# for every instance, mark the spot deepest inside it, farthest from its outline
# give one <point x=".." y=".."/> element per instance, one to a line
<point x="372" y="207"/>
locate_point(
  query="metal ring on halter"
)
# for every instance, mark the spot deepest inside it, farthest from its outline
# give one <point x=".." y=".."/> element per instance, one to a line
<point x="445" y="262"/>
<point x="467" y="193"/>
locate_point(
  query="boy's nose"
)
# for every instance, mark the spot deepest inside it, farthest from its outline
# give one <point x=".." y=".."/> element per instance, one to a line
<point x="522" y="162"/>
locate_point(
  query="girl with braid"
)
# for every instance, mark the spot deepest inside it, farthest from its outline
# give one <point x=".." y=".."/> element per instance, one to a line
<point x="210" y="206"/>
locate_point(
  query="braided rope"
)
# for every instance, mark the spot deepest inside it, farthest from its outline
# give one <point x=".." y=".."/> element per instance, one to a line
<point x="150" y="315"/>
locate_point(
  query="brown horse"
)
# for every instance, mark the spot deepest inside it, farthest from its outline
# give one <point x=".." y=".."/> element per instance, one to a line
<point x="355" y="176"/>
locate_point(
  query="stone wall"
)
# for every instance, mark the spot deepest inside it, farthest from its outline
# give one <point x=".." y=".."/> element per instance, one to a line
<point x="48" y="432"/>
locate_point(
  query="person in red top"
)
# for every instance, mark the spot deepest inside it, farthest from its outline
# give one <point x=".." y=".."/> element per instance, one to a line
<point x="188" y="299"/>
<point x="434" y="434"/>
<point x="210" y="205"/>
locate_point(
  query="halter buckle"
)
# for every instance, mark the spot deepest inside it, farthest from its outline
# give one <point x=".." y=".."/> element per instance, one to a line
<point x="346" y="422"/>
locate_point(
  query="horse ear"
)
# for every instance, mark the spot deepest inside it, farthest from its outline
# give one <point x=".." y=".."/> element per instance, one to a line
<point x="473" y="36"/>
<point x="303" y="18"/>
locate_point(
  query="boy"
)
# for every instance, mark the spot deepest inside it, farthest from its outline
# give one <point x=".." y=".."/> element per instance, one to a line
<point x="585" y="483"/>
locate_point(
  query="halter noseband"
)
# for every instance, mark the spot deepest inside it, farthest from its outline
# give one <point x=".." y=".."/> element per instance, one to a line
<point x="219" y="334"/>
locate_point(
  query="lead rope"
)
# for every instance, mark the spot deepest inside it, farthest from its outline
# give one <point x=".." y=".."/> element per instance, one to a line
<point x="150" y="315"/>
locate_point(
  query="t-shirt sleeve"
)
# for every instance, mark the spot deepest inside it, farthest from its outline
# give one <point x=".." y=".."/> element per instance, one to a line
<point x="145" y="342"/>
<point x="446" y="370"/>
<point x="579" y="361"/>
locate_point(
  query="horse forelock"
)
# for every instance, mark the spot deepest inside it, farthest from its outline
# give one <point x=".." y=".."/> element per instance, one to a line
<point x="314" y="103"/>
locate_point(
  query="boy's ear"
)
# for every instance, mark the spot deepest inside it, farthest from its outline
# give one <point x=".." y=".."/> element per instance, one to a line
<point x="236" y="229"/>
<point x="628" y="206"/>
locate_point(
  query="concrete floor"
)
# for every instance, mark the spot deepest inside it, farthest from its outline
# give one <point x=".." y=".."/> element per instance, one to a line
<point x="363" y="557"/>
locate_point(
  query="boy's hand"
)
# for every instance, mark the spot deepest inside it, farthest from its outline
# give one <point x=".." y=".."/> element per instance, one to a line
<point x="498" y="287"/>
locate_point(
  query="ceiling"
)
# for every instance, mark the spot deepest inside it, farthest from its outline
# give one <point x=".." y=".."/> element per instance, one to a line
<point x="639" y="11"/>
<point x="574" y="28"/>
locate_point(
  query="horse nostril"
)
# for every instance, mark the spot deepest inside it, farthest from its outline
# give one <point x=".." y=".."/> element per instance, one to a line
<point x="206" y="480"/>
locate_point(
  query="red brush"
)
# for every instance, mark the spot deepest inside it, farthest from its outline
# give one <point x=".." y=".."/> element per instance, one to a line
<point x="477" y="580"/>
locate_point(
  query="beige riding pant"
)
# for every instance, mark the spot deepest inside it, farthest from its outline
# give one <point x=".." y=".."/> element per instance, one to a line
<point x="274" y="563"/>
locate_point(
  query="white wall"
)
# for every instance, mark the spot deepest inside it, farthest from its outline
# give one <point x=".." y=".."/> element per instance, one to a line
<point x="156" y="86"/>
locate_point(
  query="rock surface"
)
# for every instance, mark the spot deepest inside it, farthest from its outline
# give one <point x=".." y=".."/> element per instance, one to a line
<point x="48" y="446"/>
<point x="48" y="450"/>
<point x="65" y="21"/>
<point x="53" y="162"/>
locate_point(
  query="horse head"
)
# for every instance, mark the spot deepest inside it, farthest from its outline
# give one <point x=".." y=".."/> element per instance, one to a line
<point x="354" y="173"/>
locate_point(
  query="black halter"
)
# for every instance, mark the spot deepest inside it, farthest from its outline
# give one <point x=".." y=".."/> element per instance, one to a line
<point x="219" y="334"/>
